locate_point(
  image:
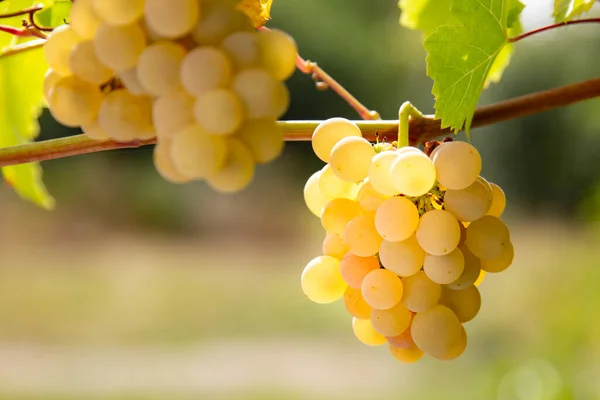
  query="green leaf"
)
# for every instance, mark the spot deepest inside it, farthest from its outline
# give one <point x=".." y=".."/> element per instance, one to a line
<point x="461" y="57"/>
<point x="565" y="10"/>
<point x="55" y="13"/>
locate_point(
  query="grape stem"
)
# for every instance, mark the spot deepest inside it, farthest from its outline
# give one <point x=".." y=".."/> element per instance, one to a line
<point x="553" y="26"/>
<point x="420" y="129"/>
<point x="405" y="114"/>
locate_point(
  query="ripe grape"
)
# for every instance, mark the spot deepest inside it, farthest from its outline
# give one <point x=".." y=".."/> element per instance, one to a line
<point x="438" y="232"/>
<point x="337" y="213"/>
<point x="50" y="79"/>
<point x="403" y="258"/>
<point x="164" y="163"/>
<point x="498" y="201"/>
<point x="379" y="173"/>
<point x="237" y="172"/>
<point x="205" y="68"/>
<point x="118" y="12"/>
<point x="381" y="289"/>
<point x="500" y="263"/>
<point x="57" y="49"/>
<point x="321" y="280"/>
<point x="368" y="198"/>
<point x="331" y="185"/>
<point x="480" y="278"/>
<point x="278" y="53"/>
<point x="397" y="219"/>
<point x="470" y="203"/>
<point x="218" y="20"/>
<point x="391" y="322"/>
<point x="444" y="269"/>
<point x="354" y="268"/>
<point x="413" y="174"/>
<point x="351" y="158"/>
<point x="313" y="197"/>
<point x="355" y="304"/>
<point x="406" y="355"/>
<point x="403" y="340"/>
<point x="74" y="102"/>
<point x="457" y="164"/>
<point x="362" y="236"/>
<point x="364" y="331"/>
<point x="172" y="18"/>
<point x="457" y="348"/>
<point x="119" y="47"/>
<point x="84" y="63"/>
<point x="471" y="271"/>
<point x="172" y="112"/>
<point x="83" y="19"/>
<point x="261" y="93"/>
<point x="219" y="111"/>
<point x="464" y="303"/>
<point x="125" y="116"/>
<point x="243" y="49"/>
<point x="334" y="246"/>
<point x="436" y="331"/>
<point x="264" y="138"/>
<point x="158" y="67"/>
<point x="420" y="292"/>
<point x="196" y="154"/>
<point x="487" y="237"/>
<point x="94" y="131"/>
<point x="329" y="133"/>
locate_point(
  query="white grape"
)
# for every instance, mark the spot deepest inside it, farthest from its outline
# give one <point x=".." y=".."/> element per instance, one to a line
<point x="83" y="19"/>
<point x="500" y="263"/>
<point x="57" y="48"/>
<point x="313" y="197"/>
<point x="361" y="236"/>
<point x="163" y="163"/>
<point x="129" y="78"/>
<point x="237" y="172"/>
<point x="219" y="111"/>
<point x="380" y="173"/>
<point x="158" y="67"/>
<point x="217" y="21"/>
<point x="205" y="68"/>
<point x="471" y="271"/>
<point x="403" y="258"/>
<point x="262" y="95"/>
<point x="329" y="132"/>
<point x="242" y="48"/>
<point x="444" y="269"/>
<point x="420" y="293"/>
<point x="413" y="174"/>
<point x="196" y="154"/>
<point x="369" y="198"/>
<point x="332" y="186"/>
<point x="171" y="18"/>
<point x="126" y="116"/>
<point x="396" y="219"/>
<point x="438" y="232"/>
<point x="94" y="131"/>
<point x="263" y="137"/>
<point x="321" y="280"/>
<point x="84" y="63"/>
<point x="487" y="237"/>
<point x="498" y="201"/>
<point x="457" y="164"/>
<point x="50" y="79"/>
<point x="118" y="47"/>
<point x="351" y="158"/>
<point x="278" y="53"/>
<point x="118" y="12"/>
<point x="470" y="203"/>
<point x="172" y="112"/>
<point x="74" y="102"/>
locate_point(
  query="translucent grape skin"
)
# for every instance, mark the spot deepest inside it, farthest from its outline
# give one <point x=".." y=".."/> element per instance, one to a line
<point x="438" y="232"/>
<point x="354" y="269"/>
<point x="260" y="93"/>
<point x="219" y="111"/>
<point x="391" y="322"/>
<point x="464" y="303"/>
<point x="379" y="172"/>
<point x="351" y="158"/>
<point x="237" y="172"/>
<point x="218" y="20"/>
<point x="402" y="258"/>
<point x="205" y="68"/>
<point x="413" y="174"/>
<point x="487" y="237"/>
<point x="314" y="199"/>
<point x="362" y="236"/>
<point x="355" y="304"/>
<point x="334" y="246"/>
<point x="364" y="331"/>
<point x="84" y="63"/>
<point x="118" y="12"/>
<point x="125" y="116"/>
<point x="368" y="198"/>
<point x="470" y="203"/>
<point x="470" y="272"/>
<point x="444" y="269"/>
<point x="500" y="263"/>
<point x="457" y="164"/>
<point x="331" y="185"/>
<point x="457" y="348"/>
<point x="321" y="281"/>
<point x="158" y="67"/>
<point x="498" y="201"/>
<point x="329" y="132"/>
<point x="118" y="47"/>
<point x="74" y="102"/>
<point x="397" y="219"/>
<point x="407" y="355"/>
<point x="197" y="154"/>
<point x="420" y="293"/>
<point x="278" y="53"/>
<point x="57" y="48"/>
<point x="243" y="49"/>
<point x="264" y="138"/>
<point x="173" y="18"/>
<point x="172" y="112"/>
<point x="403" y="340"/>
<point x="436" y="331"/>
<point x="381" y="289"/>
<point x="337" y="213"/>
<point x="83" y="19"/>
<point x="164" y="164"/>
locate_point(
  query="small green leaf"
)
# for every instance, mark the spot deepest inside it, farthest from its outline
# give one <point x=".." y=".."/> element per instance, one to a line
<point x="460" y="58"/>
<point x="565" y="10"/>
<point x="55" y="13"/>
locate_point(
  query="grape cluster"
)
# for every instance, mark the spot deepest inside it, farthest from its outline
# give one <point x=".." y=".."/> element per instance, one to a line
<point x="408" y="239"/>
<point x="193" y="73"/>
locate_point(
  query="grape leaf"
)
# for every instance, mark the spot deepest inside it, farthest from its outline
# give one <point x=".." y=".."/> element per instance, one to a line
<point x="565" y="10"/>
<point x="259" y="11"/>
<point x="460" y="57"/>
<point x="55" y="13"/>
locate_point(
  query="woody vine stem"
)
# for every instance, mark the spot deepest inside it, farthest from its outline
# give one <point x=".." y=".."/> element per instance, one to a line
<point x="420" y="128"/>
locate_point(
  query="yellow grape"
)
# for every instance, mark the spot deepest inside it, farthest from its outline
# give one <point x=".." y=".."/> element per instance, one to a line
<point x="396" y="219"/>
<point x="500" y="263"/>
<point x="463" y="234"/>
<point x="354" y="268"/>
<point x="205" y="68"/>
<point x="362" y="237"/>
<point x="444" y="269"/>
<point x="436" y="331"/>
<point x="261" y="94"/>
<point x="129" y="78"/>
<point x="364" y="331"/>
<point x="50" y="79"/>
<point x="381" y="289"/>
<point x="94" y="131"/>
<point x="84" y="63"/>
<point x="332" y="186"/>
<point x="171" y="19"/>
<point x="457" y="164"/>
<point x="391" y="322"/>
<point x="243" y="49"/>
<point x="403" y="340"/>
<point x="470" y="273"/>
<point x="125" y="116"/>
<point x="328" y="133"/>
<point x="403" y="258"/>
<point x="314" y="199"/>
<point x="337" y="213"/>
<point x="196" y="154"/>
<point x="57" y="48"/>
<point x="172" y="112"/>
<point x="420" y="292"/>
<point x="406" y="355"/>
<point x="487" y="237"/>
<point x="380" y="172"/>
<point x="278" y="53"/>
<point x="355" y="304"/>
<point x="83" y="19"/>
<point x="457" y="348"/>
<point x="413" y="174"/>
<point x="118" y="12"/>
<point x="237" y="172"/>
<point x="351" y="158"/>
<point x="438" y="232"/>
<point x="368" y="198"/>
<point x="219" y="111"/>
<point x="334" y="246"/>
<point x="498" y="201"/>
<point x="218" y="20"/>
<point x="119" y="47"/>
<point x="74" y="102"/>
<point x="321" y="280"/>
<point x="464" y="303"/>
<point x="480" y="278"/>
<point x="158" y="67"/>
<point x="264" y="138"/>
<point x="470" y="203"/>
<point x="164" y="163"/>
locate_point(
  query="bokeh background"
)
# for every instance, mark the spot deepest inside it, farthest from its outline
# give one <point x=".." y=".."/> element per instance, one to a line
<point x="135" y="288"/>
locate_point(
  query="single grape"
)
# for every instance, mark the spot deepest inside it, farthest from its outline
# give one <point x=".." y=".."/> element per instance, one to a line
<point x="470" y="272"/>
<point x="172" y="18"/>
<point x="457" y="348"/>
<point x="393" y="321"/>
<point x="217" y="21"/>
<point x="205" y="68"/>
<point x="260" y="93"/>
<point x="83" y="19"/>
<point x="278" y="53"/>
<point x="57" y="48"/>
<point x="354" y="268"/>
<point x="332" y="186"/>
<point x="382" y="289"/>
<point x="264" y="138"/>
<point x="397" y="219"/>
<point x="237" y="172"/>
<point x="420" y="292"/>
<point x="444" y="269"/>
<point x="119" y="47"/>
<point x="196" y="154"/>
<point x="500" y="263"/>
<point x="355" y="304"/>
<point x="457" y="164"/>
<point x="436" y="331"/>
<point x="464" y="303"/>
<point x="337" y="213"/>
<point x="412" y="174"/>
<point x="498" y="201"/>
<point x="328" y="133"/>
<point x="321" y="280"/>
<point x="172" y="112"/>
<point x="125" y="116"/>
<point x="334" y="246"/>
<point x="158" y="67"/>
<point x="364" y="331"/>
<point x="313" y="197"/>
<point x="219" y="111"/>
<point x="403" y="258"/>
<point x="368" y="198"/>
<point x="84" y="63"/>
<point x="406" y="355"/>
<point x="74" y="102"/>
<point x="470" y="203"/>
<point x="380" y="172"/>
<point x="487" y="237"/>
<point x="362" y="236"/>
<point x="243" y="49"/>
<point x="351" y="158"/>
<point x="118" y="12"/>
<point x="164" y="163"/>
<point x="438" y="232"/>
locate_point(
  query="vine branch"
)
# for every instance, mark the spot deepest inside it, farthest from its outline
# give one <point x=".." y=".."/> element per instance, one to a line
<point x="420" y="129"/>
<point x="553" y="26"/>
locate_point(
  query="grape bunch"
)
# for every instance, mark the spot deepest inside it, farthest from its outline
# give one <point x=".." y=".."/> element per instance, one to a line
<point x="408" y="239"/>
<point x="193" y="73"/>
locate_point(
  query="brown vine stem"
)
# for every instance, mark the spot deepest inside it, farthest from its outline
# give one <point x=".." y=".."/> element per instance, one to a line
<point x="553" y="26"/>
<point x="420" y="130"/>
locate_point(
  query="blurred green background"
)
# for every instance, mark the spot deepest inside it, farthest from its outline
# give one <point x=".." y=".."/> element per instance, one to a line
<point x="135" y="288"/>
